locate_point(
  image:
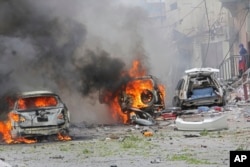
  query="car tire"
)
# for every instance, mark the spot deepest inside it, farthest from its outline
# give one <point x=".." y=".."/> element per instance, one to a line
<point x="143" y="95"/>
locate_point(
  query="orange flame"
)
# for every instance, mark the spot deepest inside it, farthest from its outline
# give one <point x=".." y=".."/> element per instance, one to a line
<point x="133" y="88"/>
<point x="35" y="102"/>
<point x="117" y="113"/>
<point x="62" y="137"/>
<point x="5" y="129"/>
<point x="162" y="90"/>
<point x="137" y="69"/>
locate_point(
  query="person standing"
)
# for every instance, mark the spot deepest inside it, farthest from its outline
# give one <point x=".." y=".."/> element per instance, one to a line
<point x="243" y="59"/>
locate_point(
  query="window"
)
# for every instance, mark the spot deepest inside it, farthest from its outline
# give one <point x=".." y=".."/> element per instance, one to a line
<point x="36" y="102"/>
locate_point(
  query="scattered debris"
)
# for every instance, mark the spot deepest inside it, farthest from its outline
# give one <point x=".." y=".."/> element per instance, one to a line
<point x="147" y="133"/>
<point x="113" y="165"/>
<point x="198" y="122"/>
<point x="113" y="136"/>
<point x="57" y="157"/>
<point x="140" y="117"/>
<point x="203" y="146"/>
<point x="156" y="161"/>
<point x="191" y="135"/>
<point x="171" y="113"/>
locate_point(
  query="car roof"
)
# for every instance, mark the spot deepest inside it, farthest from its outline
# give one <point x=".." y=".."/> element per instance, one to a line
<point x="203" y="71"/>
<point x="40" y="92"/>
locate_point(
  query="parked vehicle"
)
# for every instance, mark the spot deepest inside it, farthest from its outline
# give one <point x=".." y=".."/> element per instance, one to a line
<point x="199" y="87"/>
<point x="37" y="113"/>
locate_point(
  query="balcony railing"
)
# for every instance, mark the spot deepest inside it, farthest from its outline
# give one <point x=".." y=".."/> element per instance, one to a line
<point x="229" y="69"/>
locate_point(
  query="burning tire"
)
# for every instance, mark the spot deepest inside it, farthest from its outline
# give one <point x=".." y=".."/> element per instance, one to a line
<point x="147" y="97"/>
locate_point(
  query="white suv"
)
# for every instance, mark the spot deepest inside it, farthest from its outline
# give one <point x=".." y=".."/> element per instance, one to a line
<point x="199" y="87"/>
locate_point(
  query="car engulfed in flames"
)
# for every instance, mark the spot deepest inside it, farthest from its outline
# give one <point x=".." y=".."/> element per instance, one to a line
<point x="35" y="114"/>
<point x="142" y="93"/>
<point x="139" y="99"/>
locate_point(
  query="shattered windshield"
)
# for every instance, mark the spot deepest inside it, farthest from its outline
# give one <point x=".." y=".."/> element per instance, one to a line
<point x="36" y="102"/>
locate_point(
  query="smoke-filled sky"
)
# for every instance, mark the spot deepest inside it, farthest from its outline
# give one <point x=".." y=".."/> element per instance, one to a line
<point x="77" y="47"/>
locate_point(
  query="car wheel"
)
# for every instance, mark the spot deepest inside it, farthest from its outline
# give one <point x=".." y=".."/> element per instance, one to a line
<point x="147" y="97"/>
<point x="176" y="102"/>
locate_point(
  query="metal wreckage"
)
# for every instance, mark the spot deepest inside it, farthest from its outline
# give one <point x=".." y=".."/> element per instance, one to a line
<point x="32" y="115"/>
<point x="141" y="100"/>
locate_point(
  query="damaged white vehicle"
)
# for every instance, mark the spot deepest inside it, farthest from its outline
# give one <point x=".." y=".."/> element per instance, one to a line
<point x="199" y="87"/>
<point x="38" y="113"/>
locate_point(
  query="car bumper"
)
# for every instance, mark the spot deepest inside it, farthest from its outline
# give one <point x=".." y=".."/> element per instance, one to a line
<point x="216" y="100"/>
<point x="37" y="131"/>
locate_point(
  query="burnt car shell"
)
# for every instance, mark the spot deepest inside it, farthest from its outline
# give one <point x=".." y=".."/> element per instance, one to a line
<point x="36" y="119"/>
<point x="152" y="99"/>
<point x="199" y="87"/>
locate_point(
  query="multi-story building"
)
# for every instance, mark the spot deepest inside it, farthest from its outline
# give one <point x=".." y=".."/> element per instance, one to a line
<point x="199" y="30"/>
<point x="207" y="33"/>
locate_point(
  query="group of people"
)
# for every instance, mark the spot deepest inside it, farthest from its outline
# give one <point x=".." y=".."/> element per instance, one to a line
<point x="244" y="60"/>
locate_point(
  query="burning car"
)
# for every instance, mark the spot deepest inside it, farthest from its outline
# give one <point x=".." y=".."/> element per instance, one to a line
<point x="142" y="93"/>
<point x="199" y="87"/>
<point x="140" y="98"/>
<point x="34" y="114"/>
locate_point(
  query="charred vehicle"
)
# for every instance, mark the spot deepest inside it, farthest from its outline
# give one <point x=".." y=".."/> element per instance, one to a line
<point x="142" y="93"/>
<point x="199" y="87"/>
<point x="37" y="113"/>
<point x="141" y="98"/>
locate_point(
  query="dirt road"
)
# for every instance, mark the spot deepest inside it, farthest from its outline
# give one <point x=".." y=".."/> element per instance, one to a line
<point x="125" y="145"/>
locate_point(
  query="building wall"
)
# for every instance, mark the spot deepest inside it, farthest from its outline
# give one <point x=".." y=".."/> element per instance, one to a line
<point x="192" y="22"/>
<point x="240" y="24"/>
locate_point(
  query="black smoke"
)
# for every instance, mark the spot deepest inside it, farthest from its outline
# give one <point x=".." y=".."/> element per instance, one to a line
<point x="33" y="53"/>
<point x="100" y="71"/>
<point x="52" y="44"/>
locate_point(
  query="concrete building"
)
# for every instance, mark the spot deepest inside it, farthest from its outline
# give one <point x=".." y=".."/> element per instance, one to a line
<point x="240" y="22"/>
<point x="199" y="30"/>
<point x="206" y="32"/>
<point x="204" y="25"/>
<point x="239" y="33"/>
